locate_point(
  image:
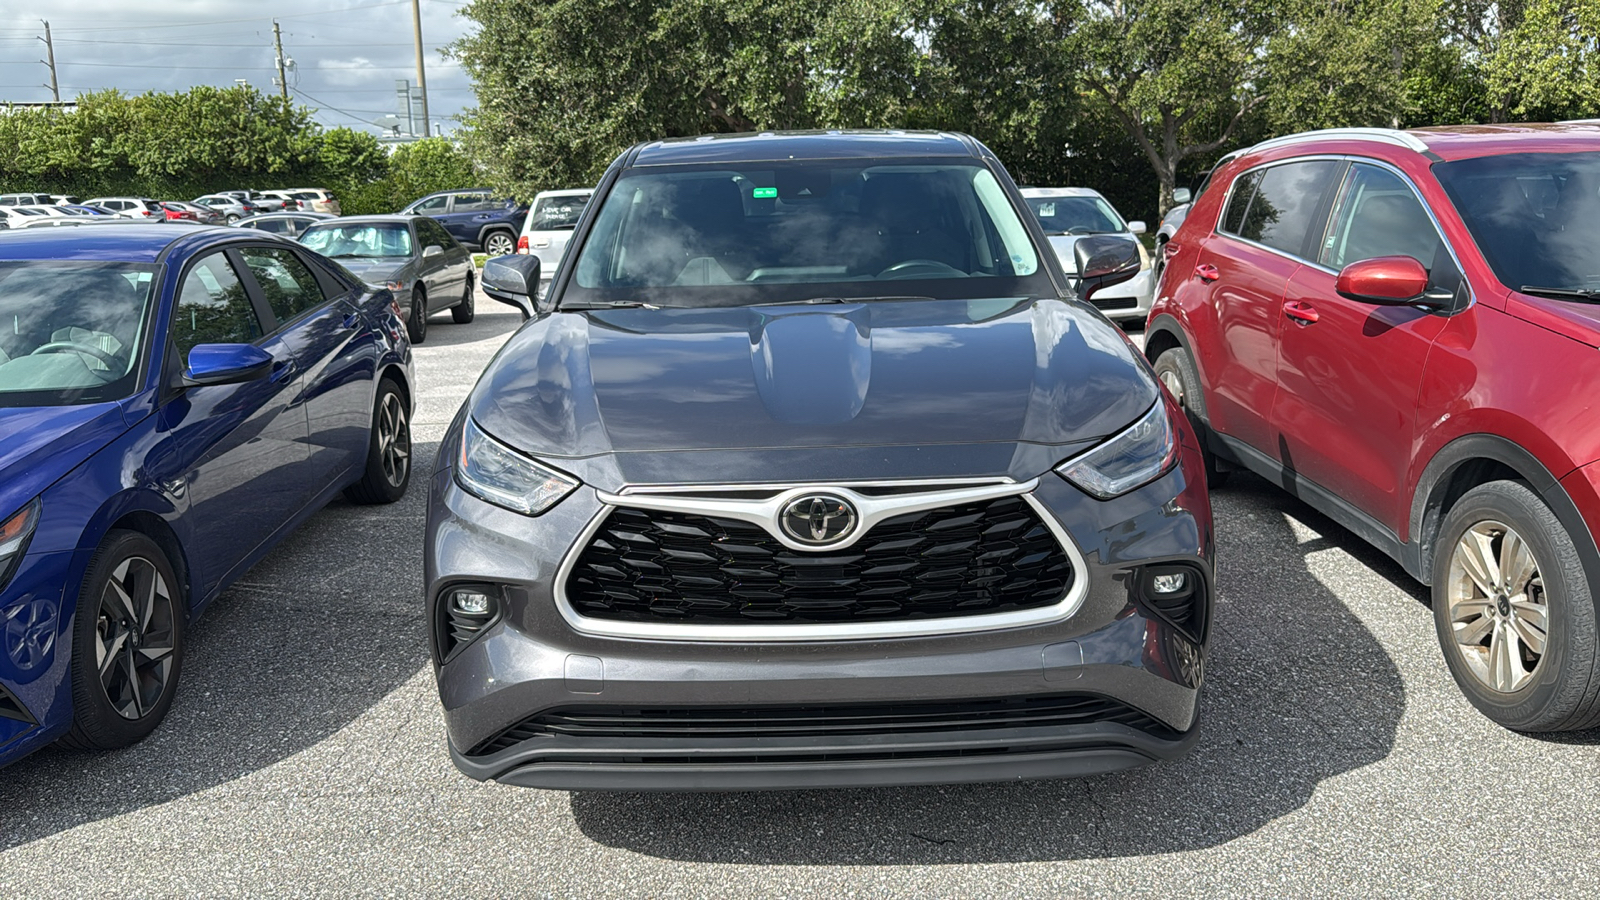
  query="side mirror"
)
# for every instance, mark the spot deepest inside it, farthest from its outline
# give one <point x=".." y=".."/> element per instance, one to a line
<point x="1181" y="196"/>
<point x="1104" y="260"/>
<point x="432" y="250"/>
<point x="1137" y="227"/>
<point x="513" y="280"/>
<point x="225" y="364"/>
<point x="1385" y="280"/>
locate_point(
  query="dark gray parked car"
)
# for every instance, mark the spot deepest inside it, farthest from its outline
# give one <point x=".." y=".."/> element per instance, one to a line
<point x="811" y="470"/>
<point x="426" y="268"/>
<point x="289" y="224"/>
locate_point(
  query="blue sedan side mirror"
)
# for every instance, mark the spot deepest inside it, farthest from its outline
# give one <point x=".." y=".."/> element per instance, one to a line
<point x="513" y="280"/>
<point x="225" y="364"/>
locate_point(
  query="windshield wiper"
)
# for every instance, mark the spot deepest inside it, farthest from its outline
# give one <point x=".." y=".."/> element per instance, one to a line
<point x="610" y="304"/>
<point x="1583" y="294"/>
<point x="818" y="301"/>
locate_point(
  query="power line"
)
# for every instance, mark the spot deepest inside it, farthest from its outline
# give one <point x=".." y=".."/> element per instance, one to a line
<point x="143" y="26"/>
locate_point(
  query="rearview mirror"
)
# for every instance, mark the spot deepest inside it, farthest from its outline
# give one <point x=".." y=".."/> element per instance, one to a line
<point x="225" y="364"/>
<point x="1104" y="260"/>
<point x="1181" y="196"/>
<point x="431" y="251"/>
<point x="1386" y="280"/>
<point x="513" y="280"/>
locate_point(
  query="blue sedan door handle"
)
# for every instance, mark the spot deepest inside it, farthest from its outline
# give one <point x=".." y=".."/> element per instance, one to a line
<point x="282" y="370"/>
<point x="350" y="320"/>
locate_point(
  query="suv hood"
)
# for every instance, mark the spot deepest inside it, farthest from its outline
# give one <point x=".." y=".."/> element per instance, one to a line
<point x="873" y="380"/>
<point x="40" y="444"/>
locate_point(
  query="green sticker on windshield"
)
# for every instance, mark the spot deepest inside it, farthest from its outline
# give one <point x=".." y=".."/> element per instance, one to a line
<point x="764" y="193"/>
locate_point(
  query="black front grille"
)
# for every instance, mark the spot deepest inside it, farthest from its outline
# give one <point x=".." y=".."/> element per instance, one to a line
<point x="984" y="557"/>
<point x="1115" y="302"/>
<point x="695" y="723"/>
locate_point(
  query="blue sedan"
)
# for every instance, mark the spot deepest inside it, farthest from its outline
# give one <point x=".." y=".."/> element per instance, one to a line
<point x="173" y="403"/>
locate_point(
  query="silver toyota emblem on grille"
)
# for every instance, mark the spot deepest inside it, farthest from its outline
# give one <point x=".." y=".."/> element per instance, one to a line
<point x="818" y="519"/>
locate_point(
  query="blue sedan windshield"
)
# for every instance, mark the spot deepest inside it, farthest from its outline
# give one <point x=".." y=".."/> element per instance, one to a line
<point x="70" y="332"/>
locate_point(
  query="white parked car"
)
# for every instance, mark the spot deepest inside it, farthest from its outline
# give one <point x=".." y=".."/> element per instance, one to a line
<point x="549" y="226"/>
<point x="140" y="208"/>
<point x="1070" y="213"/>
<point x="319" y="200"/>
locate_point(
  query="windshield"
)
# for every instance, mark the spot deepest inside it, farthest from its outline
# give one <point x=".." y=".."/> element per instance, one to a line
<point x="557" y="213"/>
<point x="70" y="332"/>
<point x="825" y="229"/>
<point x="344" y="241"/>
<point x="1535" y="216"/>
<point x="1076" y="215"/>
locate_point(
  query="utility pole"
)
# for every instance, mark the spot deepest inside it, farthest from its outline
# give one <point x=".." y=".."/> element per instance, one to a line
<point x="422" y="77"/>
<point x="277" y="43"/>
<point x="50" y="51"/>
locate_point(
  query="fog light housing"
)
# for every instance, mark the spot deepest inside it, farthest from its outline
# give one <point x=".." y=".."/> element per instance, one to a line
<point x="1175" y="592"/>
<point x="464" y="613"/>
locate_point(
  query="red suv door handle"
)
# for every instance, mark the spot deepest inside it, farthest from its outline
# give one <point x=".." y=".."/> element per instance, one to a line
<point x="1207" y="272"/>
<point x="1301" y="313"/>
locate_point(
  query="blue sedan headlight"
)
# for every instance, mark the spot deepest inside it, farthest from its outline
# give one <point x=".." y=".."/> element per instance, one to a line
<point x="14" y="535"/>
<point x="504" y="477"/>
<point x="1134" y="457"/>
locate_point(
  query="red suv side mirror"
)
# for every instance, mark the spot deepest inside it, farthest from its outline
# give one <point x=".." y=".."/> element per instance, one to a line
<point x="1388" y="280"/>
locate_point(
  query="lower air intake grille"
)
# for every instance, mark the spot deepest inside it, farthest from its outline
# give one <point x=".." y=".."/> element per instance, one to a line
<point x="670" y="723"/>
<point x="984" y="557"/>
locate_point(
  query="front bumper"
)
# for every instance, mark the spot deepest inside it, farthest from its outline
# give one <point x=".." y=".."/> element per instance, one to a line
<point x="532" y="662"/>
<point x="1129" y="300"/>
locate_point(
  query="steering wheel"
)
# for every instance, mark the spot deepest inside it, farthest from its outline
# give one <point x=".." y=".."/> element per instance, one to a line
<point x="921" y="268"/>
<point x="74" y="347"/>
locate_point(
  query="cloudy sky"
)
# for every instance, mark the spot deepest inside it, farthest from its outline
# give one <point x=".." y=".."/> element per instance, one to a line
<point x="347" y="53"/>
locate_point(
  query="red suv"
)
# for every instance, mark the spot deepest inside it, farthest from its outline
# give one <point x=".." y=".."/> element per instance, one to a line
<point x="1401" y="328"/>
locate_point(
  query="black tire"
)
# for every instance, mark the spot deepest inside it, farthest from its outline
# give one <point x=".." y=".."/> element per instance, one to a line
<point x="1176" y="370"/>
<point x="417" y="322"/>
<point x="232" y="219"/>
<point x="121" y="706"/>
<point x="1561" y="692"/>
<point x="463" y="312"/>
<point x="499" y="242"/>
<point x="388" y="467"/>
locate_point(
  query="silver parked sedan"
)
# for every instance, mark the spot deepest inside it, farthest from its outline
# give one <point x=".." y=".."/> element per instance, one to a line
<point x="426" y="268"/>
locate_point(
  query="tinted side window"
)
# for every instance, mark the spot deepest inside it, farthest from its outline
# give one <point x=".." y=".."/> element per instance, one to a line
<point x="472" y="203"/>
<point x="1378" y="215"/>
<point x="1286" y="203"/>
<point x="213" y="307"/>
<point x="1244" y="191"/>
<point x="432" y="206"/>
<point x="273" y="226"/>
<point x="289" y="286"/>
<point x="431" y="232"/>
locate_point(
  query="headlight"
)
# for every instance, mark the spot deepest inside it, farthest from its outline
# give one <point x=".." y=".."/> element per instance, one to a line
<point x="395" y="285"/>
<point x="1136" y="456"/>
<point x="504" y="477"/>
<point x="14" y="535"/>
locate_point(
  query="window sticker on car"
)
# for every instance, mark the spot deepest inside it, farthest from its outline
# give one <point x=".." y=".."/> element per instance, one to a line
<point x="1047" y="210"/>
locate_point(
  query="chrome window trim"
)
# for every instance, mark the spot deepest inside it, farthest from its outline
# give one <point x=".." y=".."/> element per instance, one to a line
<point x="1438" y="227"/>
<point x="884" y="507"/>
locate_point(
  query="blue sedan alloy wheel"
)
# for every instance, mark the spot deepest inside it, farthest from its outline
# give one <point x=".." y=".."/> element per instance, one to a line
<point x="388" y="470"/>
<point x="127" y="644"/>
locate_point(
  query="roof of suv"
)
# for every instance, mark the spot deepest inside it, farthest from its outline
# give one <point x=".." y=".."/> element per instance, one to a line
<point x="786" y="145"/>
<point x="1450" y="142"/>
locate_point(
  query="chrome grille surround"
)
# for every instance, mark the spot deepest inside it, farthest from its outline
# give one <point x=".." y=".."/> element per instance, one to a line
<point x="875" y="502"/>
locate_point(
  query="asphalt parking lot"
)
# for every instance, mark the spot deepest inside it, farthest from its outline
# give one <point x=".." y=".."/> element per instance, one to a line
<point x="305" y="755"/>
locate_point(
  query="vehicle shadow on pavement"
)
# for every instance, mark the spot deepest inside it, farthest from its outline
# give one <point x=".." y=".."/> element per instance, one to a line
<point x="313" y="636"/>
<point x="1299" y="691"/>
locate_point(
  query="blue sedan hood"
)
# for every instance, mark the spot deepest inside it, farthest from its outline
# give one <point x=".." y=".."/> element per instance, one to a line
<point x="908" y="374"/>
<point x="39" y="444"/>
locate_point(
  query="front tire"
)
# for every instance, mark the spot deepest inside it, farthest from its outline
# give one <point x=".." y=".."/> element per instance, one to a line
<point x="1514" y="613"/>
<point x="233" y="220"/>
<point x="388" y="468"/>
<point x="1177" y="373"/>
<point x="463" y="312"/>
<point x="127" y="644"/>
<point x="417" y="322"/>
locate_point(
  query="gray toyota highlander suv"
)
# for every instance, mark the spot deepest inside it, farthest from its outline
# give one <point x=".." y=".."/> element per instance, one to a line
<point x="812" y="470"/>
